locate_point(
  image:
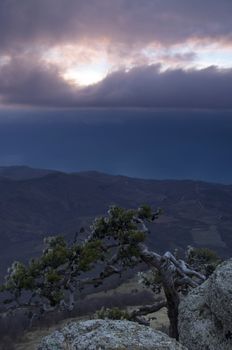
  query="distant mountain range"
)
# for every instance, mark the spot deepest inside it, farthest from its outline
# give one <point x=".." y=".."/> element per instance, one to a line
<point x="37" y="202"/>
<point x="23" y="172"/>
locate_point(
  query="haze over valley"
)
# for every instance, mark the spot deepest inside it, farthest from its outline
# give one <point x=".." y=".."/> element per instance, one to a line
<point x="37" y="203"/>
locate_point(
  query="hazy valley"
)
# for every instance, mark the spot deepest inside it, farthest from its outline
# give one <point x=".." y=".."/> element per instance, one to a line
<point x="37" y="203"/>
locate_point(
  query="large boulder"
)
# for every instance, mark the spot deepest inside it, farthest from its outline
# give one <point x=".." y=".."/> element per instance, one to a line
<point x="205" y="314"/>
<point x="108" y="335"/>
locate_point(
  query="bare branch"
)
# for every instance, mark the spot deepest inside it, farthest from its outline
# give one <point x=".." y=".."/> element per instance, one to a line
<point x="141" y="222"/>
<point x="149" y="257"/>
<point x="109" y="270"/>
<point x="183" y="270"/>
<point x="149" y="309"/>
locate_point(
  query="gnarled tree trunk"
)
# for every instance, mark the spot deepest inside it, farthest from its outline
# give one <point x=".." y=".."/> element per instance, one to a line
<point x="172" y="296"/>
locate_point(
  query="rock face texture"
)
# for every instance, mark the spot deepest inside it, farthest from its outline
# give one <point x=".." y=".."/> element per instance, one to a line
<point x="205" y="315"/>
<point x="108" y="335"/>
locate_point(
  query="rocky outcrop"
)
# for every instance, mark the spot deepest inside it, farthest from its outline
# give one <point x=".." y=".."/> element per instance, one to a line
<point x="205" y="315"/>
<point x="108" y="335"/>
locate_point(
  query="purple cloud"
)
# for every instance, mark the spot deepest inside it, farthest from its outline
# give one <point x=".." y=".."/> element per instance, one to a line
<point x="27" y="22"/>
<point x="28" y="28"/>
<point x="147" y="87"/>
<point x="24" y="82"/>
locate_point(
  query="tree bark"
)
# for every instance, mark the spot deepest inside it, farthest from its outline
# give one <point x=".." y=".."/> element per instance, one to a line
<point x="172" y="296"/>
<point x="172" y="306"/>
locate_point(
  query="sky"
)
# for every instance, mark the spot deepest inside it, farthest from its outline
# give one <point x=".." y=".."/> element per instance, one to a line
<point x="135" y="87"/>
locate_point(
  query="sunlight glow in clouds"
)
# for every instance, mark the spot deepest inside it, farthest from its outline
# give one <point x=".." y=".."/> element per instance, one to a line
<point x="85" y="75"/>
<point x="78" y="64"/>
<point x="84" y="64"/>
<point x="120" y="53"/>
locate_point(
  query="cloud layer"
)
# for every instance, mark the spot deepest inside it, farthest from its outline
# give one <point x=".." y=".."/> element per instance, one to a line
<point x="24" y="83"/>
<point x="122" y="21"/>
<point x="134" y="35"/>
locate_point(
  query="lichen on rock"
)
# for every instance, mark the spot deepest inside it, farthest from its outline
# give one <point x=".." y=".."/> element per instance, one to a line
<point x="205" y="315"/>
<point x="108" y="335"/>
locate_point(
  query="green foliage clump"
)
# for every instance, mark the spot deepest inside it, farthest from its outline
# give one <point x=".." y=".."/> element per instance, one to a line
<point x="117" y="225"/>
<point x="18" y="279"/>
<point x="56" y="253"/>
<point x="90" y="253"/>
<point x="204" y="254"/>
<point x="52" y="276"/>
<point x="112" y="314"/>
<point x="136" y="236"/>
<point x="124" y="228"/>
<point x="145" y="212"/>
<point x="151" y="279"/>
<point x="203" y="259"/>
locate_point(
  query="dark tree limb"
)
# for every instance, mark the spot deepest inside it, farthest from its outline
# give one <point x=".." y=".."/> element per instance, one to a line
<point x="148" y="309"/>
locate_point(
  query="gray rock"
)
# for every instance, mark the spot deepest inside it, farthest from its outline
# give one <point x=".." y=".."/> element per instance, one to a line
<point x="108" y="335"/>
<point x="205" y="315"/>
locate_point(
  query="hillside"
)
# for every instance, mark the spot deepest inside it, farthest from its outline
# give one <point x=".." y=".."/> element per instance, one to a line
<point x="22" y="172"/>
<point x="32" y="207"/>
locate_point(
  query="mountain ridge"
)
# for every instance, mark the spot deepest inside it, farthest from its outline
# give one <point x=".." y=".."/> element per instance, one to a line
<point x="21" y="172"/>
<point x="27" y="172"/>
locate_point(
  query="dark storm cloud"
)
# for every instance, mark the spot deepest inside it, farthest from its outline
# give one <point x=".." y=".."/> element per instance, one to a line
<point x="28" y="28"/>
<point x="28" y="22"/>
<point x="28" y="82"/>
<point x="147" y="87"/>
<point x="32" y="84"/>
